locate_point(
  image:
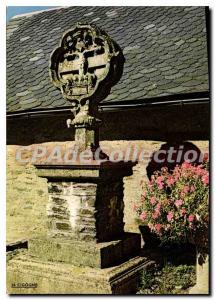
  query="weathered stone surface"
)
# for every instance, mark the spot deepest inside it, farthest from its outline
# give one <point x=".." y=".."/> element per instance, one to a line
<point x="24" y="188"/>
<point x="71" y="216"/>
<point x="50" y="287"/>
<point x="86" y="137"/>
<point x="95" y="170"/>
<point x="85" y="58"/>
<point x="86" y="208"/>
<point x="61" y="278"/>
<point x="98" y="255"/>
<point x="67" y="214"/>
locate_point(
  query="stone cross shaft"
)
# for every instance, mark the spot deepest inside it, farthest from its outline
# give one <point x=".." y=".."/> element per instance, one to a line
<point x="86" y="129"/>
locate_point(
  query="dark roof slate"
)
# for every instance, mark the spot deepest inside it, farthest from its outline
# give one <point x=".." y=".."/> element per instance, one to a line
<point x="165" y="51"/>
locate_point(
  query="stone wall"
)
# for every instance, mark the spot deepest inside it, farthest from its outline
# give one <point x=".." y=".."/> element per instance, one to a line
<point x="27" y="194"/>
<point x="86" y="210"/>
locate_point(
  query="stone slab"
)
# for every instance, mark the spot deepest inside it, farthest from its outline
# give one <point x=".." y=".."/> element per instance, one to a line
<point x="80" y="253"/>
<point x="94" y="170"/>
<point x="37" y="277"/>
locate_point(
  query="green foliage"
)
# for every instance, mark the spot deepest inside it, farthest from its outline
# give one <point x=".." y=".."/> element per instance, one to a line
<point x="168" y="280"/>
<point x="175" y="205"/>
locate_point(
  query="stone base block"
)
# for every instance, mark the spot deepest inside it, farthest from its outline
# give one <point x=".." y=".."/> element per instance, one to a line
<point x="27" y="275"/>
<point x="80" y="253"/>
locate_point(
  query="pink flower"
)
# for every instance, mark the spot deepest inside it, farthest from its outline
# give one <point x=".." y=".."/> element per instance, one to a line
<point x="159" y="180"/>
<point x="160" y="186"/>
<point x="178" y="203"/>
<point x="192" y="188"/>
<point x="144" y="194"/>
<point x="150" y="226"/>
<point x="143" y="215"/>
<point x="170" y="216"/>
<point x="205" y="179"/>
<point x="150" y="184"/>
<point x="170" y="181"/>
<point x="158" y="207"/>
<point x="153" y="200"/>
<point x="186" y="189"/>
<point x="186" y="165"/>
<point x="176" y="173"/>
<point x="191" y="218"/>
<point x="155" y="215"/>
<point x="199" y="171"/>
<point x="177" y="176"/>
<point x="183" y="211"/>
<point x="158" y="227"/>
<point x="206" y="156"/>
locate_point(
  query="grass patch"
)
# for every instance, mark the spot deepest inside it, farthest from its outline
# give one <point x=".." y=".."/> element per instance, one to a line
<point x="167" y="280"/>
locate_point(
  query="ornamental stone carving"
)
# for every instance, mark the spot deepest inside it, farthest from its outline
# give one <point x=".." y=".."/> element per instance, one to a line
<point x="85" y="58"/>
<point x="84" y="67"/>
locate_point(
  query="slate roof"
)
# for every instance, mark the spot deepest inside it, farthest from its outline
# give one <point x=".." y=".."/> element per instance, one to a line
<point x="165" y="51"/>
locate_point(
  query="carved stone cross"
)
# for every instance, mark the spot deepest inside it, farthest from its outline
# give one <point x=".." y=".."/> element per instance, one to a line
<point x="84" y="67"/>
<point x="86" y="249"/>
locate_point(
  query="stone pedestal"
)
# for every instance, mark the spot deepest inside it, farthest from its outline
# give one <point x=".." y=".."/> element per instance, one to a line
<point x="61" y="278"/>
<point x="86" y="234"/>
<point x="81" y="253"/>
<point x="86" y="201"/>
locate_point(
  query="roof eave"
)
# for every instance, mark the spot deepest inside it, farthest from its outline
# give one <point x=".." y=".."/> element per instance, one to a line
<point x="114" y="106"/>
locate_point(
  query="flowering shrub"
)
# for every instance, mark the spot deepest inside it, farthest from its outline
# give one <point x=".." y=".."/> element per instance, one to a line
<point x="175" y="205"/>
